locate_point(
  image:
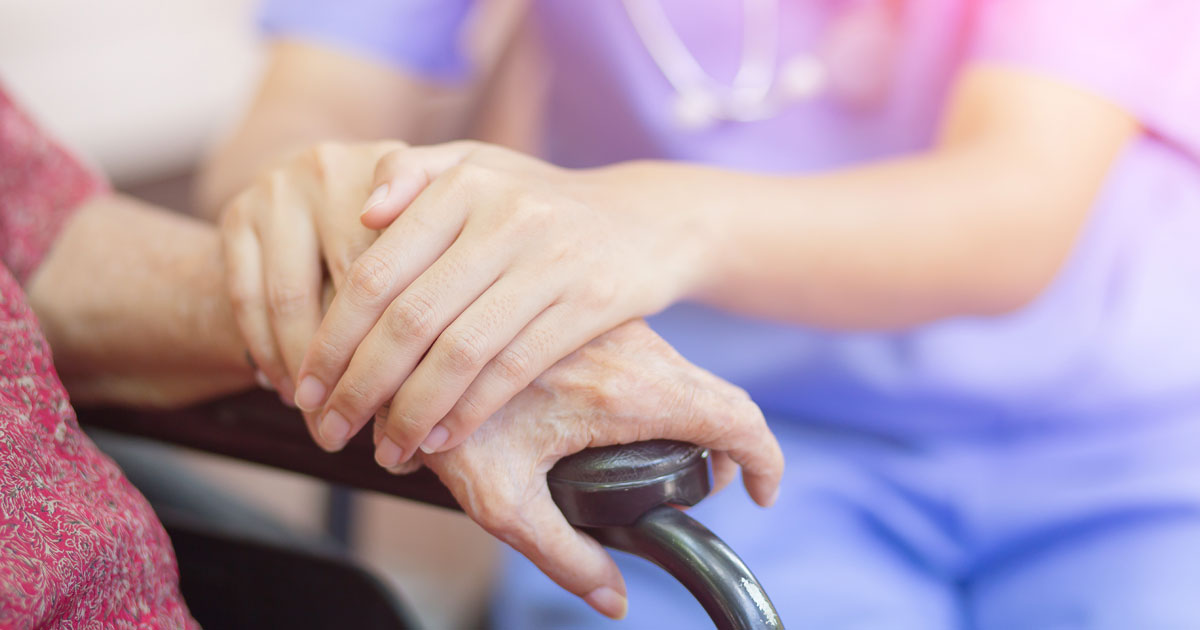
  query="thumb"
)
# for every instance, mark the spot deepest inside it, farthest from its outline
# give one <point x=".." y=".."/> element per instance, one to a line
<point x="403" y="174"/>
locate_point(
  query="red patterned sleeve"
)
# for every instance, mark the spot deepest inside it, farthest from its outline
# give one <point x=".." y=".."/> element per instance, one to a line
<point x="41" y="184"/>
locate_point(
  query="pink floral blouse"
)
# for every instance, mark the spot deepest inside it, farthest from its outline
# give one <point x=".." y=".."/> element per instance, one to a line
<point x="79" y="546"/>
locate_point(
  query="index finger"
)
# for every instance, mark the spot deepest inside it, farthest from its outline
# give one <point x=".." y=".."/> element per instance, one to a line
<point x="401" y="254"/>
<point x="292" y="270"/>
<point x="574" y="560"/>
<point x="401" y="175"/>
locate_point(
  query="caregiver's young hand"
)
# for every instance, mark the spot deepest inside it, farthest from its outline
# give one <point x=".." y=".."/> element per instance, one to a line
<point x="492" y="267"/>
<point x="626" y="386"/>
<point x="282" y="237"/>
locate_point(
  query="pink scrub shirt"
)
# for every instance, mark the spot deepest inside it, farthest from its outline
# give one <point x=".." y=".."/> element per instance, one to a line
<point x="931" y="462"/>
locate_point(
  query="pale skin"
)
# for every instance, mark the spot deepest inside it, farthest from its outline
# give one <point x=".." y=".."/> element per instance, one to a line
<point x="124" y="281"/>
<point x="492" y="265"/>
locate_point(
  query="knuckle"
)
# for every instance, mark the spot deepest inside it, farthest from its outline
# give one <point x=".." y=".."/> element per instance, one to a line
<point x="243" y="299"/>
<point x="401" y="425"/>
<point x="275" y="183"/>
<point x="324" y="157"/>
<point x="338" y="265"/>
<point x="466" y="415"/>
<point x="470" y="175"/>
<point x="472" y="147"/>
<point x="745" y="410"/>
<point x="741" y="423"/>
<point x="369" y="277"/>
<point x="246" y="208"/>
<point x="609" y="392"/>
<point x="559" y="253"/>
<point x="411" y="316"/>
<point x="512" y="365"/>
<point x="233" y="218"/>
<point x="523" y="215"/>
<point x="353" y="396"/>
<point x="469" y="151"/>
<point x="286" y="299"/>
<point x="499" y="516"/>
<point x="385" y="147"/>
<point x="390" y="163"/>
<point x="531" y="208"/>
<point x="325" y="347"/>
<point x="465" y="350"/>
<point x="263" y="352"/>
<point x="600" y="293"/>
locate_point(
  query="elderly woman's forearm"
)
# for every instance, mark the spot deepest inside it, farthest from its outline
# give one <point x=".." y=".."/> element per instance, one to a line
<point x="133" y="303"/>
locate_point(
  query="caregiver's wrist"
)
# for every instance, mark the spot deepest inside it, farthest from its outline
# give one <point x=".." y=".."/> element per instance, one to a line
<point x="682" y="236"/>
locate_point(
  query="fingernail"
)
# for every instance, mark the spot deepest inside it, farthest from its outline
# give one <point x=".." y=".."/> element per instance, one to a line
<point x="334" y="430"/>
<point x="311" y="393"/>
<point x="774" y="497"/>
<point x="260" y="377"/>
<point x="436" y="438"/>
<point x="609" y="602"/>
<point x="388" y="453"/>
<point x="376" y="198"/>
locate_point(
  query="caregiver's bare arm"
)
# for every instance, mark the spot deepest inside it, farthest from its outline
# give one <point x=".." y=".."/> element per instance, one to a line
<point x="310" y="94"/>
<point x="978" y="225"/>
<point x="133" y="302"/>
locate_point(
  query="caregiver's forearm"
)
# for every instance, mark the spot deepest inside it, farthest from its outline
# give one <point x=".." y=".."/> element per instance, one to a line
<point x="133" y="304"/>
<point x="978" y="225"/>
<point x="881" y="247"/>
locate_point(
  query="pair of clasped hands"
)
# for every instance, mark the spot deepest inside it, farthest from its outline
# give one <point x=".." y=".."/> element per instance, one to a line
<point x="483" y="308"/>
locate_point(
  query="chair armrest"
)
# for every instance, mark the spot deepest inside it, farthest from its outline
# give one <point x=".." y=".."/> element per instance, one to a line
<point x="256" y="427"/>
<point x="601" y="489"/>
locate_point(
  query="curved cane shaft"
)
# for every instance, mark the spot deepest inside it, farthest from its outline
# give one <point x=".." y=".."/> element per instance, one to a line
<point x="702" y="562"/>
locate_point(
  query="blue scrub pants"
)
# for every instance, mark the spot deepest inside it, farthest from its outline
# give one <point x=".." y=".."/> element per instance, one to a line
<point x="1087" y="527"/>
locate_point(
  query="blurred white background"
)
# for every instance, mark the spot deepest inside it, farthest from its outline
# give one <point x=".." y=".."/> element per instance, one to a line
<point x="138" y="86"/>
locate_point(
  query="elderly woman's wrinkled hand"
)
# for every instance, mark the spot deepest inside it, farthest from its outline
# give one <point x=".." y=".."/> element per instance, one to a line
<point x="288" y="239"/>
<point x="626" y="386"/>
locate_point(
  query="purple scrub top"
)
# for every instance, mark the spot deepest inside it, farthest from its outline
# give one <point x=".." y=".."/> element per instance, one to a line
<point x="1113" y="339"/>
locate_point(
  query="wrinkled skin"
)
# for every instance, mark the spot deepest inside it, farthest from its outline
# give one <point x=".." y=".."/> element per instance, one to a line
<point x="300" y="222"/>
<point x="626" y="386"/>
<point x="288" y="240"/>
<point x="491" y="266"/>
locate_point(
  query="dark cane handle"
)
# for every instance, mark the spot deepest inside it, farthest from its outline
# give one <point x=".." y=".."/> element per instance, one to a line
<point x="622" y="496"/>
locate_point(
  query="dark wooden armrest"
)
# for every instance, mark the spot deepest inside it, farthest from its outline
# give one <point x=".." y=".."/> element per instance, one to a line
<point x="256" y="427"/>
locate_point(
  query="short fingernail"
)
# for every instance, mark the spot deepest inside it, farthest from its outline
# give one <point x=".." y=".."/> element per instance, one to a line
<point x="376" y="198"/>
<point x="609" y="602"/>
<point x="774" y="497"/>
<point x="334" y="430"/>
<point x="388" y="453"/>
<point x="260" y="377"/>
<point x="436" y="438"/>
<point x="311" y="393"/>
